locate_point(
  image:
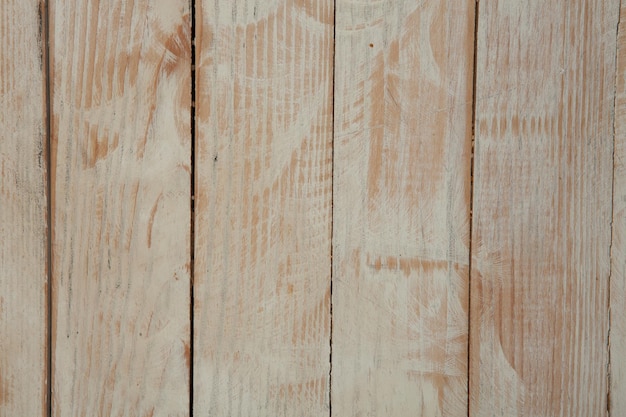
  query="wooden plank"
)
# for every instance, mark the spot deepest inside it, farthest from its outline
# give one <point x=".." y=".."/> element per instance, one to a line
<point x="121" y="201"/>
<point x="263" y="213"/>
<point x="401" y="207"/>
<point x="542" y="207"/>
<point x="23" y="205"/>
<point x="618" y="249"/>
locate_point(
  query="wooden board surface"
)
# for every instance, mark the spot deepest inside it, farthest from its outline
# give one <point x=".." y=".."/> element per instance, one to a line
<point x="121" y="207"/>
<point x="23" y="218"/>
<point x="401" y="207"/>
<point x="334" y="216"/>
<point x="263" y="193"/>
<point x="618" y="249"/>
<point x="542" y="208"/>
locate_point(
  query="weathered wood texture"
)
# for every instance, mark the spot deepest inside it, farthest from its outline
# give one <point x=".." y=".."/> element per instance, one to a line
<point x="312" y="126"/>
<point x="401" y="207"/>
<point x="618" y="248"/>
<point x="23" y="218"/>
<point x="121" y="207"/>
<point x="542" y="207"/>
<point x="263" y="213"/>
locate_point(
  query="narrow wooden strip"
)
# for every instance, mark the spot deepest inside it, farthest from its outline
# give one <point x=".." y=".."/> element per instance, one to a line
<point x="263" y="213"/>
<point x="542" y="207"/>
<point x="401" y="207"/>
<point x="618" y="249"/>
<point x="121" y="244"/>
<point x="23" y="219"/>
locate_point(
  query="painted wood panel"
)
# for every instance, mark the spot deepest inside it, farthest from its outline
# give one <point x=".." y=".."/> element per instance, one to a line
<point x="263" y="207"/>
<point x="618" y="249"/>
<point x="545" y="78"/>
<point x="333" y="220"/>
<point x="23" y="210"/>
<point x="402" y="154"/>
<point x="121" y="148"/>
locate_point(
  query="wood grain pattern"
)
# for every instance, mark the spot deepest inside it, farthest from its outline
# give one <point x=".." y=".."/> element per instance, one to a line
<point x="542" y="208"/>
<point x="401" y="207"/>
<point x="324" y="142"/>
<point x="262" y="249"/>
<point x="23" y="218"/>
<point x="618" y="249"/>
<point x="121" y="206"/>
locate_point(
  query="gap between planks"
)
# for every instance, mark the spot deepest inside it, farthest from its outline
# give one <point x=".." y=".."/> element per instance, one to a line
<point x="332" y="211"/>
<point x="471" y="208"/>
<point x="192" y="201"/>
<point x="44" y="16"/>
<point x="608" y="336"/>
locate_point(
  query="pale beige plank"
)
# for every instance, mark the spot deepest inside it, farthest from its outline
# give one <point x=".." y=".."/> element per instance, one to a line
<point x="263" y="214"/>
<point x="618" y="249"/>
<point x="542" y="208"/>
<point x="23" y="219"/>
<point x="121" y="207"/>
<point x="401" y="207"/>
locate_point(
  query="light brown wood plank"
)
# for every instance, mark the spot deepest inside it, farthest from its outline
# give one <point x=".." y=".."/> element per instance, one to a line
<point x="542" y="208"/>
<point x="618" y="249"/>
<point x="263" y="214"/>
<point x="121" y="207"/>
<point x="401" y="207"/>
<point x="23" y="205"/>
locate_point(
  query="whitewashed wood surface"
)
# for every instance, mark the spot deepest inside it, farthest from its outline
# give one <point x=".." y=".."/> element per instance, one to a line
<point x="543" y="166"/>
<point x="121" y="164"/>
<point x="263" y="208"/>
<point x="402" y="154"/>
<point x="312" y="208"/>
<point x="23" y="210"/>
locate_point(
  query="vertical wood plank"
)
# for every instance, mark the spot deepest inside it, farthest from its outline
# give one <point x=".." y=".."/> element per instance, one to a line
<point x="263" y="213"/>
<point x="23" y="218"/>
<point x="618" y="248"/>
<point x="121" y="201"/>
<point x="542" y="207"/>
<point x="401" y="207"/>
